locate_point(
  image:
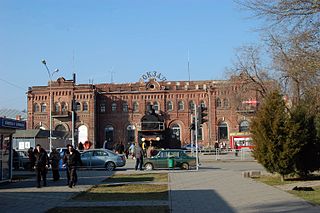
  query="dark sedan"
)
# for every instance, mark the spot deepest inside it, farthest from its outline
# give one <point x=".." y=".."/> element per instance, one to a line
<point x="176" y="157"/>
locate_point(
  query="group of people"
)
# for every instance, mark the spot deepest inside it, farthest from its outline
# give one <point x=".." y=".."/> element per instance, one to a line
<point x="40" y="162"/>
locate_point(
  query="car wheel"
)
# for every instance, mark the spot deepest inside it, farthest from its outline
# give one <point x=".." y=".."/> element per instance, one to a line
<point x="110" y="166"/>
<point x="185" y="166"/>
<point x="148" y="166"/>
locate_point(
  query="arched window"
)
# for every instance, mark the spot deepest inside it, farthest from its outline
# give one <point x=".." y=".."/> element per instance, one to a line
<point x="191" y="106"/>
<point x="57" y="107"/>
<point x="222" y="130"/>
<point x="131" y="133"/>
<point x="125" y="107"/>
<point x="43" y="107"/>
<point x="169" y="106"/>
<point x="85" y="106"/>
<point x="135" y="106"/>
<point x="180" y="105"/>
<point x="64" y="107"/>
<point x="176" y="132"/>
<point x="36" y="108"/>
<point x="113" y="107"/>
<point x="218" y="101"/>
<point x="109" y="135"/>
<point x="225" y="103"/>
<point x="148" y="106"/>
<point x="203" y="104"/>
<point x="244" y="126"/>
<point x="156" y="106"/>
<point x="78" y="106"/>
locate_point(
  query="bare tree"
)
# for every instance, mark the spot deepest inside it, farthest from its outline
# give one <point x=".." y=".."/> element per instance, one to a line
<point x="302" y="15"/>
<point x="254" y="75"/>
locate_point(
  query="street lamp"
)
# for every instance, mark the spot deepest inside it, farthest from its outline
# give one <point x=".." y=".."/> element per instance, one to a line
<point x="50" y="74"/>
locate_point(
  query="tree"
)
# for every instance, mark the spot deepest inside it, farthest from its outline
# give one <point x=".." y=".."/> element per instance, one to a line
<point x="269" y="130"/>
<point x="303" y="141"/>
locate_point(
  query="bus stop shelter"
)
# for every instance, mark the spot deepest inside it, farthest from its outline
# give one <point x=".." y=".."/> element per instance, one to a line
<point x="7" y="128"/>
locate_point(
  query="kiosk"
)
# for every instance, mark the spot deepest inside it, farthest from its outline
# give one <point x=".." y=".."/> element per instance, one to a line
<point x="7" y="128"/>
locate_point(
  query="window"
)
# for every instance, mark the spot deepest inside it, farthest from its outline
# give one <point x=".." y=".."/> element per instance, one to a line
<point x="125" y="107"/>
<point x="218" y="102"/>
<point x="203" y="104"/>
<point x="149" y="106"/>
<point x="180" y="105"/>
<point x="78" y="106"/>
<point x="135" y="107"/>
<point x="64" y="107"/>
<point x="102" y="107"/>
<point x="36" y="108"/>
<point x="223" y="130"/>
<point x="191" y="106"/>
<point x="113" y="107"/>
<point x="56" y="107"/>
<point x="244" y="126"/>
<point x="169" y="106"/>
<point x="85" y="106"/>
<point x="156" y="106"/>
<point x="43" y="107"/>
<point x="131" y="133"/>
<point x="225" y="103"/>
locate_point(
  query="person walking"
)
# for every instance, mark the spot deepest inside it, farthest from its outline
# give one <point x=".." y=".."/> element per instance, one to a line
<point x="54" y="161"/>
<point x="138" y="153"/>
<point x="41" y="165"/>
<point x="72" y="160"/>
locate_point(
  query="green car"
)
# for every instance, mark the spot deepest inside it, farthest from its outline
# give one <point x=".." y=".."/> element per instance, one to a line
<point x="170" y="158"/>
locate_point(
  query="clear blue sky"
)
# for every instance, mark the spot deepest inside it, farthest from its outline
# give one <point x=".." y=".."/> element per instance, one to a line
<point x="116" y="39"/>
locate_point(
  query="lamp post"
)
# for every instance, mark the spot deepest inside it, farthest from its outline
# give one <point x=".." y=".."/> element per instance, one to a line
<point x="50" y="74"/>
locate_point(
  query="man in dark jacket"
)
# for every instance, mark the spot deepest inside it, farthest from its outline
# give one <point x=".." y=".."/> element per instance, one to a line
<point x="41" y="165"/>
<point x="138" y="153"/>
<point x="72" y="160"/>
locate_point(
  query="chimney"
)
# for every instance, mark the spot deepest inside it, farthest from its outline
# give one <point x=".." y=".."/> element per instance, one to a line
<point x="74" y="78"/>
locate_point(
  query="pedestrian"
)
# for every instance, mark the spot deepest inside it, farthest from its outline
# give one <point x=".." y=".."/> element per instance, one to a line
<point x="72" y="160"/>
<point x="138" y="153"/>
<point x="41" y="165"/>
<point x="131" y="150"/>
<point x="31" y="158"/>
<point x="54" y="161"/>
<point x="80" y="146"/>
<point x="121" y="148"/>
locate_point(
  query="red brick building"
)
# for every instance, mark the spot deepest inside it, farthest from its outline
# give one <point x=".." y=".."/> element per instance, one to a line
<point x="113" y="113"/>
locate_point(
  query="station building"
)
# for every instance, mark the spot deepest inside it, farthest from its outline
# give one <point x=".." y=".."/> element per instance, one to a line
<point x="107" y="114"/>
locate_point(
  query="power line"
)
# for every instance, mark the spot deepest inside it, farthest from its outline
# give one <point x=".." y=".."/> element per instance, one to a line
<point x="12" y="84"/>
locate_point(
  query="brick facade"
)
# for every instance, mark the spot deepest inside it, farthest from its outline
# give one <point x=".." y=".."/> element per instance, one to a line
<point x="117" y="109"/>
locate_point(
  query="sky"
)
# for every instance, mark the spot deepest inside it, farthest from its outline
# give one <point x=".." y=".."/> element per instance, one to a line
<point x="117" y="41"/>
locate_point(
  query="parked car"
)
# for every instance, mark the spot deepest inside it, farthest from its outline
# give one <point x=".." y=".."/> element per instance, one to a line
<point x="190" y="146"/>
<point x="102" y="158"/>
<point x="161" y="160"/>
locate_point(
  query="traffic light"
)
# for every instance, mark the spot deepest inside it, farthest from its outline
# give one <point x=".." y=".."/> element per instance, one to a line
<point x="202" y="114"/>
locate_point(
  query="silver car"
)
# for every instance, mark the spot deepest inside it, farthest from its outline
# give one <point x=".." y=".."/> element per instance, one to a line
<point x="102" y="158"/>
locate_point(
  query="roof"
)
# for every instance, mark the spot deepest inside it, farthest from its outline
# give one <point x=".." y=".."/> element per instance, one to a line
<point x="39" y="133"/>
<point x="13" y="113"/>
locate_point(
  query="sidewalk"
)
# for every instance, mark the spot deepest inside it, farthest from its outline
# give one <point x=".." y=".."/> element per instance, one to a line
<point x="227" y="191"/>
<point x="216" y="187"/>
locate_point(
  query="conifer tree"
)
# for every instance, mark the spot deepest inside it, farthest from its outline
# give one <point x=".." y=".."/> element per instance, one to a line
<point x="270" y="136"/>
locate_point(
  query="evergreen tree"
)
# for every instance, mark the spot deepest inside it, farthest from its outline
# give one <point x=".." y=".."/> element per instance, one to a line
<point x="269" y="130"/>
<point x="304" y="144"/>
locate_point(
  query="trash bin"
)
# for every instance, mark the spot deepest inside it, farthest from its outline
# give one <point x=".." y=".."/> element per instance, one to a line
<point x="171" y="162"/>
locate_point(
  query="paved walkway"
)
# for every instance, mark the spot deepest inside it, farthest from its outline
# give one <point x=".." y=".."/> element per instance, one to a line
<point x="228" y="191"/>
<point x="216" y="187"/>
